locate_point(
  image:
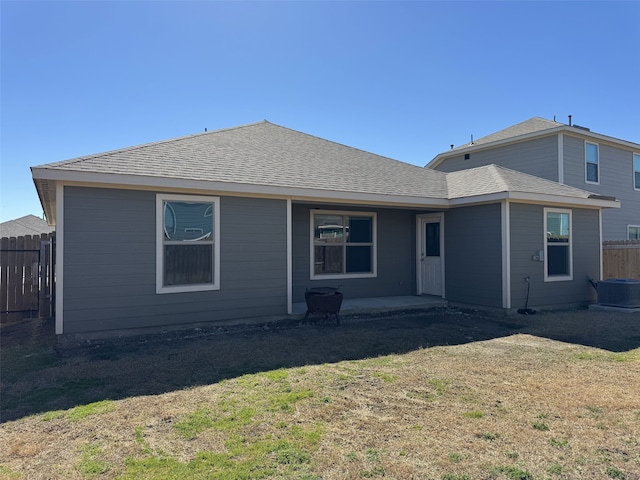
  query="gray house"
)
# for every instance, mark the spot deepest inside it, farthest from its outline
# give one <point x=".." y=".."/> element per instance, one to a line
<point x="235" y="224"/>
<point x="568" y="154"/>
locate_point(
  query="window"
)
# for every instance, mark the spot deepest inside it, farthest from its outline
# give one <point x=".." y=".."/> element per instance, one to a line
<point x="343" y="244"/>
<point x="633" y="232"/>
<point x="591" y="163"/>
<point x="187" y="243"/>
<point x="558" y="262"/>
<point x="636" y="171"/>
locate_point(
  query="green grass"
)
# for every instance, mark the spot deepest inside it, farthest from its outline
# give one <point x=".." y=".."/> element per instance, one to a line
<point x="474" y="414"/>
<point x="385" y="377"/>
<point x="440" y="385"/>
<point x="9" y="474"/>
<point x="288" y="455"/>
<point x="512" y="473"/>
<point x="90" y="463"/>
<point x="541" y="426"/>
<point x="81" y="412"/>
<point x="558" y="443"/>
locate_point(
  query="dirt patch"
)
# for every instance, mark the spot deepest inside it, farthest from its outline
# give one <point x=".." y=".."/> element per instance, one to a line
<point x="442" y="393"/>
<point x="40" y="374"/>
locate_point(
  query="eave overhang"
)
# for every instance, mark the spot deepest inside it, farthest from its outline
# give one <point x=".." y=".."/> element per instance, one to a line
<point x="47" y="179"/>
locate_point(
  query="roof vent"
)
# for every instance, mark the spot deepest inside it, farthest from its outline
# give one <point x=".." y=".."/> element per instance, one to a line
<point x="581" y="127"/>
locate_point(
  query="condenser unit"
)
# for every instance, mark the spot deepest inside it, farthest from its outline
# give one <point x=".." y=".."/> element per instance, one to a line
<point x="619" y="292"/>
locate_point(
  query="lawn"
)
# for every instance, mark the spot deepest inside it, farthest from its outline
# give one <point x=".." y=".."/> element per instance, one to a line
<point x="445" y="394"/>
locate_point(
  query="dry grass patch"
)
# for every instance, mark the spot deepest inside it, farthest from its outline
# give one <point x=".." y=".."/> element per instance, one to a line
<point x="514" y="407"/>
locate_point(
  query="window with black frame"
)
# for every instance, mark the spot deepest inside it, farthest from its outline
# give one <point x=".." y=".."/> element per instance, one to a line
<point x="343" y="244"/>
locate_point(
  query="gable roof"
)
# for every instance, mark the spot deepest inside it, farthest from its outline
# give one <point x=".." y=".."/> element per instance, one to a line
<point x="533" y="125"/>
<point x="27" y="225"/>
<point x="531" y="128"/>
<point x="260" y="158"/>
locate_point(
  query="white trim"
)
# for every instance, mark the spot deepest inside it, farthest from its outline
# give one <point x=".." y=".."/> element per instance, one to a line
<point x="374" y="247"/>
<point x="289" y="258"/>
<point x="160" y="288"/>
<point x="536" y="198"/>
<point x="59" y="268"/>
<point x="633" y="169"/>
<point x="420" y="221"/>
<point x="558" y="278"/>
<point x="326" y="196"/>
<point x="505" y="212"/>
<point x="586" y="180"/>
<point x="142" y="182"/>
<point x="628" y="227"/>
<point x="561" y="158"/>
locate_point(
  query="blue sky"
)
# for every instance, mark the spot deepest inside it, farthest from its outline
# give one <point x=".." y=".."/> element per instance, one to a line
<point x="400" y="79"/>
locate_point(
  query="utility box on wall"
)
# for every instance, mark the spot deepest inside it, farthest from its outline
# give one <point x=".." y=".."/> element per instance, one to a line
<point x="619" y="292"/>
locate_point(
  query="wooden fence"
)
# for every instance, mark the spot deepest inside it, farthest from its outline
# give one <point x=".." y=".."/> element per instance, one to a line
<point x="27" y="277"/>
<point x="621" y="259"/>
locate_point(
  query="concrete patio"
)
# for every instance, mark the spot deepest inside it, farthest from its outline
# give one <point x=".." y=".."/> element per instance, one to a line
<point x="380" y="304"/>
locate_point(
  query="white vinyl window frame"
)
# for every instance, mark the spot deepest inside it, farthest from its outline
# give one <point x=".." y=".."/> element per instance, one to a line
<point x="160" y="243"/>
<point x="374" y="246"/>
<point x="636" y="232"/>
<point x="547" y="245"/>
<point x="589" y="161"/>
<point x="635" y="164"/>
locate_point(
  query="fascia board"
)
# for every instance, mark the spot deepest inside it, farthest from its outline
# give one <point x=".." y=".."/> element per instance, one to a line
<point x="304" y="194"/>
<point x="536" y="198"/>
<point x="602" y="138"/>
<point x="563" y="200"/>
<point x="144" y="182"/>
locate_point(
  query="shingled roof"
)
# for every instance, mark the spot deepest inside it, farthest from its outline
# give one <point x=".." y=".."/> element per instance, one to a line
<point x="27" y="225"/>
<point x="263" y="154"/>
<point x="491" y="179"/>
<point x="268" y="159"/>
<point x="533" y="125"/>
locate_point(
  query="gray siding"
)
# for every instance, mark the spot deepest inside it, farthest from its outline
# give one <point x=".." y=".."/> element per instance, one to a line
<point x="109" y="263"/>
<point x="396" y="255"/>
<point x="536" y="157"/>
<point x="473" y="255"/>
<point x="527" y="237"/>
<point x="616" y="180"/>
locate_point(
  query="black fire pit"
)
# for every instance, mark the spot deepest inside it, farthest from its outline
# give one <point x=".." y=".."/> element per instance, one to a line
<point x="323" y="301"/>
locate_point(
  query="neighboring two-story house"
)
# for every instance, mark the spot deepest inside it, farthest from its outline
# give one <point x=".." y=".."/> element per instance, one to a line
<point x="568" y="154"/>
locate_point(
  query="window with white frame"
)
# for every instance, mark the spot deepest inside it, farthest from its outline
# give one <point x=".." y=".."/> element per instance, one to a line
<point x="592" y="173"/>
<point x="636" y="171"/>
<point x="187" y="243"/>
<point x="343" y="244"/>
<point x="633" y="232"/>
<point x="558" y="261"/>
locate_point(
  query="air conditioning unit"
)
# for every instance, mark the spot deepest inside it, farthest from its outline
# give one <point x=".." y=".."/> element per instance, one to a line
<point x="619" y="292"/>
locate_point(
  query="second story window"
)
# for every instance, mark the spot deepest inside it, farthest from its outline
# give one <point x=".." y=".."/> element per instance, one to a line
<point x="592" y="174"/>
<point x="636" y="171"/>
